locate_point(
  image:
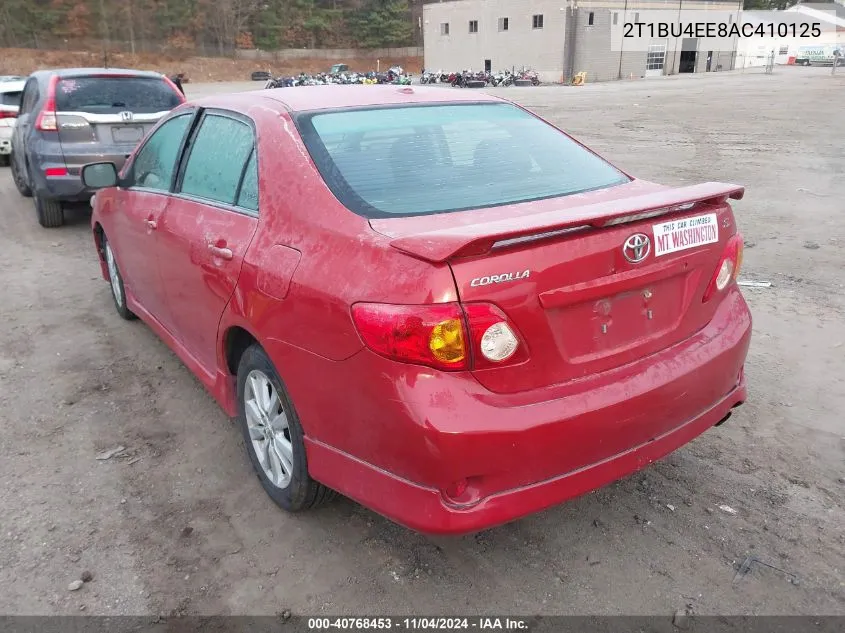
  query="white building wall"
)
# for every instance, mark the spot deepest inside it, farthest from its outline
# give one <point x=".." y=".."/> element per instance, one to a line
<point x="544" y="49"/>
<point x="540" y="49"/>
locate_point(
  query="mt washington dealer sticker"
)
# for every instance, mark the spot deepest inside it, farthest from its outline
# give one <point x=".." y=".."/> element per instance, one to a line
<point x="679" y="235"/>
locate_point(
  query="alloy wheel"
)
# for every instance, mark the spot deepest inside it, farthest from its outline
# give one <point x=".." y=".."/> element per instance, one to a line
<point x="268" y="428"/>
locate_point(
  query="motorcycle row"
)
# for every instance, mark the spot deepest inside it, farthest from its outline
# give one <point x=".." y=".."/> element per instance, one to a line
<point x="469" y="79"/>
<point x="397" y="76"/>
<point x="394" y="76"/>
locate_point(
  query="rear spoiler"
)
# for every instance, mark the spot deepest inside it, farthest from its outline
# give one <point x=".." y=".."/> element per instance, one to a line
<point x="478" y="239"/>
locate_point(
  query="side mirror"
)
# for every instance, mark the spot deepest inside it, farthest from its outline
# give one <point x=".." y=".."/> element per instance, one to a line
<point x="99" y="175"/>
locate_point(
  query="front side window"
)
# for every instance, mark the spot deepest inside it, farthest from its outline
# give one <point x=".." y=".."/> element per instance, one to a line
<point x="155" y="163"/>
<point x="416" y="160"/>
<point x="30" y="96"/>
<point x="219" y="153"/>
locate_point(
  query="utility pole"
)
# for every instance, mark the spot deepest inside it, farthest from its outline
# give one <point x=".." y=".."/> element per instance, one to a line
<point x="104" y="33"/>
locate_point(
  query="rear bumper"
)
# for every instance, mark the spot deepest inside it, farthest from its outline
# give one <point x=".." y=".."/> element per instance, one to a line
<point x="425" y="510"/>
<point x="67" y="188"/>
<point x="399" y="437"/>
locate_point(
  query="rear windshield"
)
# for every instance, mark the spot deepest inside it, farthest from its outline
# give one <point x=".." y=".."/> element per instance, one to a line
<point x="10" y="98"/>
<point x="109" y="95"/>
<point x="416" y="160"/>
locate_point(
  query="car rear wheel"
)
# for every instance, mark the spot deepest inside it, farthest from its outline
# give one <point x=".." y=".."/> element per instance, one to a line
<point x="273" y="435"/>
<point x="118" y="293"/>
<point x="21" y="183"/>
<point x="50" y="213"/>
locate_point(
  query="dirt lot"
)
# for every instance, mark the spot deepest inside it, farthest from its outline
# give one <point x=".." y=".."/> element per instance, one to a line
<point x="76" y="380"/>
<point x="22" y="61"/>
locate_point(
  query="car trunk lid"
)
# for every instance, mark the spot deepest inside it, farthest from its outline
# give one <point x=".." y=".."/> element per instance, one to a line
<point x="591" y="281"/>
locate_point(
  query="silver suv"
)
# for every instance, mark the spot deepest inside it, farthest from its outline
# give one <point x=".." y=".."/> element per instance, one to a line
<point x="72" y="117"/>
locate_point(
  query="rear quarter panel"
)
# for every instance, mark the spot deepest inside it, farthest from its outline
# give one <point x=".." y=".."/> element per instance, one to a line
<point x="310" y="260"/>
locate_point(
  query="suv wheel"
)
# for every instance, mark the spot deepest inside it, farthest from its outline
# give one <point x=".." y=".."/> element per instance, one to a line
<point x="49" y="212"/>
<point x="273" y="435"/>
<point x="21" y="183"/>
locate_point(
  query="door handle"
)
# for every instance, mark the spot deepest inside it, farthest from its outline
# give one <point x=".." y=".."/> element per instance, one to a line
<point x="220" y="251"/>
<point x="151" y="224"/>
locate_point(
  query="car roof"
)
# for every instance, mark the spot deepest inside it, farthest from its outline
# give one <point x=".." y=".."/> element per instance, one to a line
<point x="12" y="86"/>
<point x="69" y="73"/>
<point x="304" y="98"/>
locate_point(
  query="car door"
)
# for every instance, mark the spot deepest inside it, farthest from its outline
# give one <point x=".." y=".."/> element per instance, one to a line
<point x="140" y="203"/>
<point x="208" y="227"/>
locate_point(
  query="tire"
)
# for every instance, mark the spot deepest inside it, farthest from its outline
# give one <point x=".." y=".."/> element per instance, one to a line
<point x="281" y="446"/>
<point x="20" y="182"/>
<point x="118" y="293"/>
<point x="50" y="213"/>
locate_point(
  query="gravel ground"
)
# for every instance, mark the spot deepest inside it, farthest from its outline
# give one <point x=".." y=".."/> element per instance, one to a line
<point x="180" y="524"/>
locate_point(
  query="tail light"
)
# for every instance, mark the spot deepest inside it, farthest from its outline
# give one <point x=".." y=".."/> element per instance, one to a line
<point x="728" y="268"/>
<point x="7" y="114"/>
<point x="54" y="172"/>
<point x="46" y="120"/>
<point x="432" y="335"/>
<point x="175" y="89"/>
<point x="493" y="339"/>
<point x="445" y="336"/>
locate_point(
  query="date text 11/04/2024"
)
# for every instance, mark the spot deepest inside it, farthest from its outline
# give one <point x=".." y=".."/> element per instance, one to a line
<point x="417" y="623"/>
<point x="719" y="29"/>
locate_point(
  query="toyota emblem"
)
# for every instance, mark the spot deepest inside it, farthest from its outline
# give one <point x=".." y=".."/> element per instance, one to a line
<point x="636" y="248"/>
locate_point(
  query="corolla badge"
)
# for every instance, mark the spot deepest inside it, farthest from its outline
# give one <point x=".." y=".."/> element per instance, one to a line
<point x="497" y="279"/>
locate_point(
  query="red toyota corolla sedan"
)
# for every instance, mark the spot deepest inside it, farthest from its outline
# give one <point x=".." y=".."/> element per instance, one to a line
<point x="431" y="301"/>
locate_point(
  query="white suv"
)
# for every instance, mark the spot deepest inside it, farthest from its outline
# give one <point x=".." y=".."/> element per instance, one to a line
<point x="10" y="98"/>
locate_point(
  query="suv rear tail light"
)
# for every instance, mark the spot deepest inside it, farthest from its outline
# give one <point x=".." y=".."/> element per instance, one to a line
<point x="46" y="121"/>
<point x="728" y="268"/>
<point x="447" y="336"/>
<point x="175" y="89"/>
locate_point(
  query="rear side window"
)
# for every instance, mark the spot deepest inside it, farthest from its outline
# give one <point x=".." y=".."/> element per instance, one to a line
<point x="416" y="160"/>
<point x="10" y="98"/>
<point x="219" y="154"/>
<point x="110" y="95"/>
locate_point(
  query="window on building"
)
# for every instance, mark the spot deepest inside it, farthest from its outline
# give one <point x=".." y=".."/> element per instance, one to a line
<point x="591" y="18"/>
<point x="784" y="50"/>
<point x="636" y="18"/>
<point x="444" y="28"/>
<point x="537" y="21"/>
<point x="503" y="24"/>
<point x="473" y="26"/>
<point x="615" y="19"/>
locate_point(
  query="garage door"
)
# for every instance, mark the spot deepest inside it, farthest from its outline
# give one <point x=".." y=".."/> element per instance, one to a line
<point x="655" y="59"/>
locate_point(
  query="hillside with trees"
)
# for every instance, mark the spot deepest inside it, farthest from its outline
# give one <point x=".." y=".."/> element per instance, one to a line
<point x="212" y="27"/>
